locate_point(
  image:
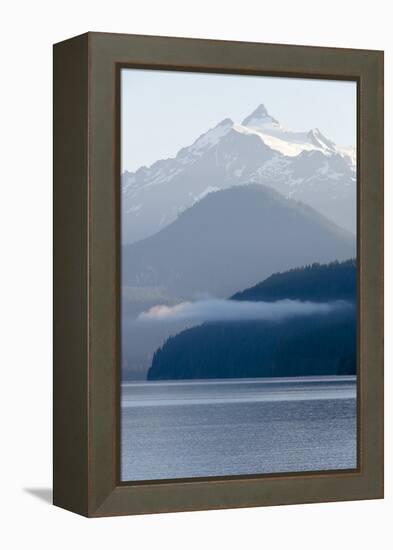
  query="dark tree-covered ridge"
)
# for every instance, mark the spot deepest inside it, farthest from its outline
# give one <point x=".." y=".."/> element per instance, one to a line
<point x="314" y="283"/>
<point x="318" y="344"/>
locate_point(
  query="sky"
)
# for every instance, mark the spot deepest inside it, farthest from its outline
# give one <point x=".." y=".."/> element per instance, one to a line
<point x="163" y="111"/>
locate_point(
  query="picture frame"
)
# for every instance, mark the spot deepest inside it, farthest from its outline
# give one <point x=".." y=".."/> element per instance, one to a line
<point x="86" y="387"/>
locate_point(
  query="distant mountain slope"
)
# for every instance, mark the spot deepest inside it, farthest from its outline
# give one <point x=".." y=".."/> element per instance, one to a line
<point x="305" y="166"/>
<point x="231" y="239"/>
<point x="316" y="283"/>
<point x="317" y="344"/>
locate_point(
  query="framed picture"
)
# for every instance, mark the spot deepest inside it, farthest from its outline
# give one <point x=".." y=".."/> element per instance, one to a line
<point x="218" y="274"/>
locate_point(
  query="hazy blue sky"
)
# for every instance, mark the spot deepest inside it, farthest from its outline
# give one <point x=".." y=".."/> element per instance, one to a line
<point x="163" y="111"/>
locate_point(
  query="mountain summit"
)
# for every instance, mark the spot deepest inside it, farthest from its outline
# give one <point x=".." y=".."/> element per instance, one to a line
<point x="259" y="117"/>
<point x="305" y="166"/>
<point x="289" y="142"/>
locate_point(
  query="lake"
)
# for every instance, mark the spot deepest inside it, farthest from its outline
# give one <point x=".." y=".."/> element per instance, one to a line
<point x="202" y="428"/>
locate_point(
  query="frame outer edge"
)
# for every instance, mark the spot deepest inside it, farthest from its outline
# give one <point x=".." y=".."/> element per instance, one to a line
<point x="105" y="497"/>
<point x="371" y="321"/>
<point x="70" y="269"/>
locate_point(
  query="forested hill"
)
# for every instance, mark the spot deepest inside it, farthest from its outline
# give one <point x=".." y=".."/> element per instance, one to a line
<point x="314" y="283"/>
<point x="310" y="345"/>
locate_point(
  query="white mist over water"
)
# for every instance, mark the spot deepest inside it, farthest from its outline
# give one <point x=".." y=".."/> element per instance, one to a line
<point x="236" y="310"/>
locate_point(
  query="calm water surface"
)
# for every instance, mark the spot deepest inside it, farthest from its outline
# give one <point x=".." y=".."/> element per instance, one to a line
<point x="234" y="427"/>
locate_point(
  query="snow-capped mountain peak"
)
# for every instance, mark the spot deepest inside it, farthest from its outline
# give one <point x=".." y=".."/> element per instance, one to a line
<point x="211" y="137"/>
<point x="260" y="118"/>
<point x="288" y="142"/>
<point x="317" y="138"/>
<point x="304" y="165"/>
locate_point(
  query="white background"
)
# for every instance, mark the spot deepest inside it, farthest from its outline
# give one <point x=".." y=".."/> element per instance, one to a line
<point x="28" y="30"/>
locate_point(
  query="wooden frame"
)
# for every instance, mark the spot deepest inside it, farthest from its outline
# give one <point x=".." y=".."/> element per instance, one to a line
<point x="86" y="273"/>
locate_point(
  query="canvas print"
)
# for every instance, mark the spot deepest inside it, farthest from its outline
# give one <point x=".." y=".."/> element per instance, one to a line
<point x="238" y="275"/>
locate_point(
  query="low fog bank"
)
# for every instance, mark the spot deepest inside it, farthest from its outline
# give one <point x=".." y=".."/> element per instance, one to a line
<point x="214" y="310"/>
